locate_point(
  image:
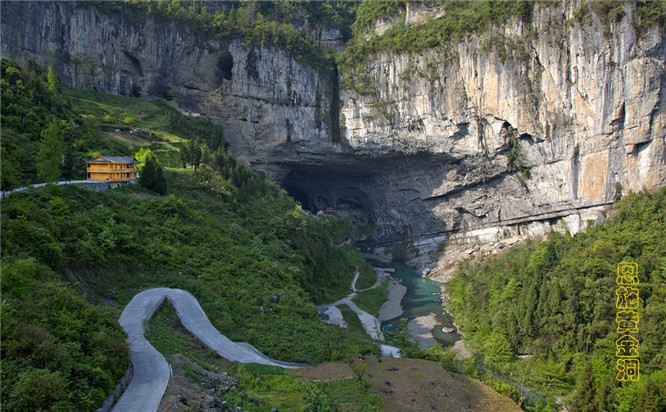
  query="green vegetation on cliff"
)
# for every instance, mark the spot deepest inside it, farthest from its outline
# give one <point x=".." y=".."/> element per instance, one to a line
<point x="651" y="13"/>
<point x="459" y="19"/>
<point x="280" y="23"/>
<point x="555" y="300"/>
<point x="369" y="13"/>
<point x="447" y="23"/>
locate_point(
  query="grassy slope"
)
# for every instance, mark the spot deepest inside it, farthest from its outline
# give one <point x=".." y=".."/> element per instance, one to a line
<point x="278" y="389"/>
<point x="119" y="111"/>
<point x="233" y="260"/>
<point x="371" y="300"/>
<point x="409" y="385"/>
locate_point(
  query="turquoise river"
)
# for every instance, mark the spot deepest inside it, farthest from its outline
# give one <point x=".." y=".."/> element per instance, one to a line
<point x="422" y="298"/>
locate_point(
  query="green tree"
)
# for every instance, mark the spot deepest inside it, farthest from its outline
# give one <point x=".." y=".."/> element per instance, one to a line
<point x="584" y="401"/>
<point x="193" y="152"/>
<point x="51" y="152"/>
<point x="142" y="155"/>
<point x="152" y="177"/>
<point x="53" y="81"/>
<point x="8" y="173"/>
<point x="68" y="165"/>
<point x="403" y="338"/>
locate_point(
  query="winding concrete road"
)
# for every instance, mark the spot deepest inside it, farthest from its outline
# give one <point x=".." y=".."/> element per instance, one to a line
<point x="151" y="370"/>
<point x="371" y="325"/>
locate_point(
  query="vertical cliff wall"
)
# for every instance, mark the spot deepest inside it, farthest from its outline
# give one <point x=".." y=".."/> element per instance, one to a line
<point x="527" y="126"/>
<point x="576" y="104"/>
<point x="269" y="104"/>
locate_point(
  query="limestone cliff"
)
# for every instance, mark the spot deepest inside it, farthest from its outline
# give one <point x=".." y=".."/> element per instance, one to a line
<point x="524" y="127"/>
<point x="270" y="105"/>
<point x="585" y="102"/>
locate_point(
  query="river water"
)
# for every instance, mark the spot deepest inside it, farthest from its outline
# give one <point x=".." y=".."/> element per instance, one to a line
<point x="422" y="298"/>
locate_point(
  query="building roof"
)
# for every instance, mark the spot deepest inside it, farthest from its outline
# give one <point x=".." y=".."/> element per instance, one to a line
<point x="113" y="159"/>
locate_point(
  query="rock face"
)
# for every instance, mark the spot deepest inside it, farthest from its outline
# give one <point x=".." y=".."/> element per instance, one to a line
<point x="586" y="107"/>
<point x="271" y="107"/>
<point x="438" y="147"/>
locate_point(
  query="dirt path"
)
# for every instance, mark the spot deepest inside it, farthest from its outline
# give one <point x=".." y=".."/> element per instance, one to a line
<point x="356" y="274"/>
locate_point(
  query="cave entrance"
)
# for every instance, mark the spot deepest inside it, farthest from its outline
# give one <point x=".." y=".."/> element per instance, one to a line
<point x="320" y="188"/>
<point x="297" y="193"/>
<point x="225" y="66"/>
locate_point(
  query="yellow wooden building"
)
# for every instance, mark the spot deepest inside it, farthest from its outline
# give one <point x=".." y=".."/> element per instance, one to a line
<point x="112" y="168"/>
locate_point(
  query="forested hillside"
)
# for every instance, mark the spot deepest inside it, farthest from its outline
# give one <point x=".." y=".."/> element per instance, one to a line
<point x="40" y="129"/>
<point x="72" y="257"/>
<point x="49" y="130"/>
<point x="555" y="300"/>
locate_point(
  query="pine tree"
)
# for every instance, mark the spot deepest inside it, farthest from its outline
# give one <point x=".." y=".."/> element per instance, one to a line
<point x="160" y="181"/>
<point x="68" y="165"/>
<point x="8" y="178"/>
<point x="52" y="79"/>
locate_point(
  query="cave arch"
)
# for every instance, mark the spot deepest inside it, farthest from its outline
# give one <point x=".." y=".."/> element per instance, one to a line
<point x="225" y="66"/>
<point x="320" y="187"/>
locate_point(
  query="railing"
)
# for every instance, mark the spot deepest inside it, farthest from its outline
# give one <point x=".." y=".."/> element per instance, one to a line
<point x="113" y="170"/>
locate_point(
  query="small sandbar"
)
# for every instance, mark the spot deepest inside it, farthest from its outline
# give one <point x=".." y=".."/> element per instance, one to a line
<point x="392" y="308"/>
<point x="421" y="328"/>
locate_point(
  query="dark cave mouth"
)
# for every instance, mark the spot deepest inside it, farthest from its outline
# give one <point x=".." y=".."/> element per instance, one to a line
<point x="320" y="188"/>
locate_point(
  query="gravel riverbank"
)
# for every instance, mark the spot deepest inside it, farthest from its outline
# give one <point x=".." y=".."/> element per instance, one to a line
<point x="421" y="328"/>
<point x="392" y="308"/>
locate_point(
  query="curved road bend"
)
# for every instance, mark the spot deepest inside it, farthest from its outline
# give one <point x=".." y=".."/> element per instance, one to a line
<point x="151" y="370"/>
<point x="371" y="324"/>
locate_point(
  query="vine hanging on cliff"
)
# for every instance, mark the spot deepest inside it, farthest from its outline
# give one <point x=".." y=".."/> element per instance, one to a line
<point x="515" y="154"/>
